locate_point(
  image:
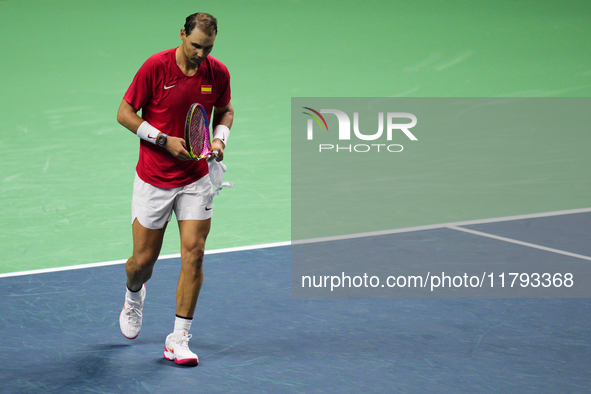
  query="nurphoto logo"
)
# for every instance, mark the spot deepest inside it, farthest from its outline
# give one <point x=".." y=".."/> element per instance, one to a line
<point x="344" y="131"/>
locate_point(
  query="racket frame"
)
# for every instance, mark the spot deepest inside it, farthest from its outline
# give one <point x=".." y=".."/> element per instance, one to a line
<point x="206" y="151"/>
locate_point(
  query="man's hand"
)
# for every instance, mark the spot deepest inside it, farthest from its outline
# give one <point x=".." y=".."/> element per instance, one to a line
<point x="176" y="147"/>
<point x="218" y="145"/>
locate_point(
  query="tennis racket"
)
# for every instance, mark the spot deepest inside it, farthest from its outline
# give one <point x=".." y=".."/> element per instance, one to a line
<point x="197" y="133"/>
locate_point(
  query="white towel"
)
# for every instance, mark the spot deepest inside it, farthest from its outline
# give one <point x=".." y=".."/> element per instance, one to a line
<point x="216" y="174"/>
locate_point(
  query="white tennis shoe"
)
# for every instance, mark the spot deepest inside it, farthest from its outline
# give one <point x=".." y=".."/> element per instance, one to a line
<point x="130" y="318"/>
<point x="176" y="348"/>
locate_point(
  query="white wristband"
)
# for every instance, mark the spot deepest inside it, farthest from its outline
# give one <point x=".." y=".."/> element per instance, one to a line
<point x="148" y="132"/>
<point x="222" y="132"/>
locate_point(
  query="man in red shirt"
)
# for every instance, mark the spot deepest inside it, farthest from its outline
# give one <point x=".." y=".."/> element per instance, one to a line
<point x="167" y="179"/>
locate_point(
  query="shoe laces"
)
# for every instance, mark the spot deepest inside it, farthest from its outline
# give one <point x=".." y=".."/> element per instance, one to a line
<point x="184" y="341"/>
<point x="132" y="307"/>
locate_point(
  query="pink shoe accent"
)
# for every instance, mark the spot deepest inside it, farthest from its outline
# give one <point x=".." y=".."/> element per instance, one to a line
<point x="186" y="362"/>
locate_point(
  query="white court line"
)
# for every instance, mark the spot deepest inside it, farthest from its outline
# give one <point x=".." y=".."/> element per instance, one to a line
<point x="324" y="239"/>
<point x="441" y="225"/>
<point x="514" y="241"/>
<point x="164" y="257"/>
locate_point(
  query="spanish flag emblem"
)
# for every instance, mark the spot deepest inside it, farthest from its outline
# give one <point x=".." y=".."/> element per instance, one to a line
<point x="205" y="89"/>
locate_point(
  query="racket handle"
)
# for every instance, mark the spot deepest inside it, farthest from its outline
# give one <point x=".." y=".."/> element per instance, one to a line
<point x="212" y="155"/>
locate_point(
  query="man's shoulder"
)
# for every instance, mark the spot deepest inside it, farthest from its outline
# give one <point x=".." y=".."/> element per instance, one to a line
<point x="161" y="59"/>
<point x="216" y="65"/>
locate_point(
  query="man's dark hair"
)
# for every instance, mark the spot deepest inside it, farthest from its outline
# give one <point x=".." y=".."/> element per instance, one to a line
<point x="204" y="22"/>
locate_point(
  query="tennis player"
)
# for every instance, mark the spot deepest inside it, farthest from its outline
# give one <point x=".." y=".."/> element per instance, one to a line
<point x="167" y="179"/>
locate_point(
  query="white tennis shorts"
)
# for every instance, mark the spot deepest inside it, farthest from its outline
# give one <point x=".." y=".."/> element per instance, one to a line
<point x="153" y="206"/>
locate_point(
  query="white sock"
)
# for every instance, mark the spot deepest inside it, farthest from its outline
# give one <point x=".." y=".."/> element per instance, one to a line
<point x="134" y="295"/>
<point x="182" y="326"/>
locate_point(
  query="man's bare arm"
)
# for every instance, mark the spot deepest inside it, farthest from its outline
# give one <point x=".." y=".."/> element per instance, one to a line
<point x="127" y="116"/>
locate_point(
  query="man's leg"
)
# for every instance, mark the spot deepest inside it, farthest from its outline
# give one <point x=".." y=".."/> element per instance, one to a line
<point x="193" y="235"/>
<point x="146" y="248"/>
<point x="147" y="244"/>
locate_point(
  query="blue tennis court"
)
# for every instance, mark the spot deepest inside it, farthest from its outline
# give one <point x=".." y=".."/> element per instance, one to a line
<point x="68" y="170"/>
<point x="60" y="329"/>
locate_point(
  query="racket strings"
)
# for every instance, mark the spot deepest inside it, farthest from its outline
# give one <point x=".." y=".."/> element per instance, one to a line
<point x="197" y="133"/>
